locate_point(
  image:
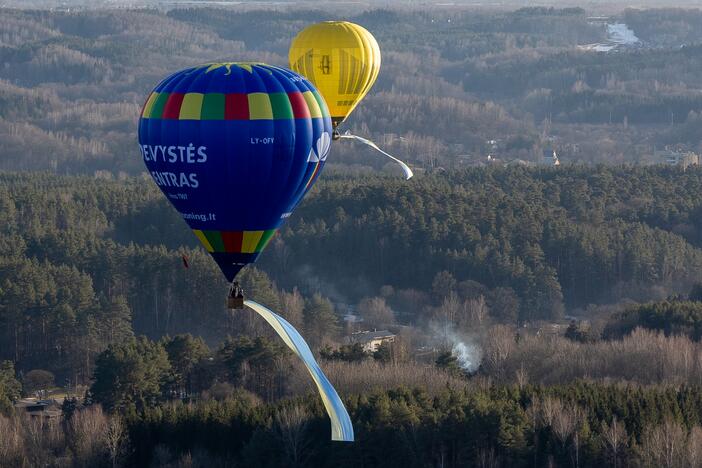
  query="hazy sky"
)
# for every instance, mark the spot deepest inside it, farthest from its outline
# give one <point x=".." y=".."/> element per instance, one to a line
<point x="587" y="4"/>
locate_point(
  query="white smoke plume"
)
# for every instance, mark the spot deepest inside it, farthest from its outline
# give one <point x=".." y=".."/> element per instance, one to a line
<point x="468" y="354"/>
<point x="466" y="349"/>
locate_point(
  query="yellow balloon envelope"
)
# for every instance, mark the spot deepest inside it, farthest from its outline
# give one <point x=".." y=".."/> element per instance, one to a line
<point x="341" y="59"/>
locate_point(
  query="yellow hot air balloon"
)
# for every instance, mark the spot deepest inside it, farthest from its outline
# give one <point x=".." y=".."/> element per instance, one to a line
<point x="341" y="59"/>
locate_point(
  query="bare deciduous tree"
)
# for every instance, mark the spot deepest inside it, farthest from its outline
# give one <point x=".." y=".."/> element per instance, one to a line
<point x="116" y="439"/>
<point x="522" y="377"/>
<point x="11" y="441"/>
<point x="476" y="311"/>
<point x="292" y="307"/>
<point x="549" y="359"/>
<point x="664" y="445"/>
<point x="694" y="448"/>
<point x="446" y="317"/>
<point x="549" y="410"/>
<point x="566" y="425"/>
<point x="486" y="458"/>
<point x="499" y="343"/>
<point x="87" y="430"/>
<point x="615" y="439"/>
<point x="291" y="427"/>
<point x="376" y="312"/>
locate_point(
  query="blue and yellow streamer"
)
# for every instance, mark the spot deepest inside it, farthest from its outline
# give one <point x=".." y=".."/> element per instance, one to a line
<point x="342" y="429"/>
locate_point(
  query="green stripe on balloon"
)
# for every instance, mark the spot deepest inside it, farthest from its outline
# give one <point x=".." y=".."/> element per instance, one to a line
<point x="215" y="239"/>
<point x="322" y="103"/>
<point x="265" y="238"/>
<point x="282" y="109"/>
<point x="213" y="107"/>
<point x="159" y="105"/>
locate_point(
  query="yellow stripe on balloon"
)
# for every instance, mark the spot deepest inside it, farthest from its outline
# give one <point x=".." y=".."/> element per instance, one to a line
<point x="260" y="107"/>
<point x="191" y="107"/>
<point x="149" y="105"/>
<point x="201" y="235"/>
<point x="250" y="241"/>
<point x="312" y="104"/>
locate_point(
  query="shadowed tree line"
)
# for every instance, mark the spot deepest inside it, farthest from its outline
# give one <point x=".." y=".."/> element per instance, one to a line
<point x="580" y="424"/>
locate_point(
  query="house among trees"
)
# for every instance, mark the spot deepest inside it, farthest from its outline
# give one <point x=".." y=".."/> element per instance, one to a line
<point x="675" y="157"/>
<point x="371" y="340"/>
<point x="39" y="408"/>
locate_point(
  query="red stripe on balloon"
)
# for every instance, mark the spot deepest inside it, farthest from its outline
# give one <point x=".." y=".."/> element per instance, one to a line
<point x="232" y="241"/>
<point x="172" y="107"/>
<point x="299" y="105"/>
<point x="236" y="107"/>
<point x="314" y="174"/>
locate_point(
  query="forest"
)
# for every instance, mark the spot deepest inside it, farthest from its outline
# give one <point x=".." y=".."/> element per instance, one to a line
<point x="540" y="315"/>
<point x="569" y="286"/>
<point x="456" y="83"/>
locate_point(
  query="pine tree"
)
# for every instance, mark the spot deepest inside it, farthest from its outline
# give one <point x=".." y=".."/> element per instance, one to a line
<point x="320" y="320"/>
<point x="10" y="387"/>
<point x="131" y="375"/>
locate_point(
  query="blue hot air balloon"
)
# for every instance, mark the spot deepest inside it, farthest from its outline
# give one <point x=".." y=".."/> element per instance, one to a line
<point x="234" y="147"/>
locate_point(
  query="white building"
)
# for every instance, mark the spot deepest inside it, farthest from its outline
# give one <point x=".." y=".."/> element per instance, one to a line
<point x="371" y="340"/>
<point x="676" y="158"/>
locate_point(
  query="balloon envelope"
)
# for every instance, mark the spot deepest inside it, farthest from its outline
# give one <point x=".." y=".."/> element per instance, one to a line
<point x="234" y="147"/>
<point x="341" y="59"/>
